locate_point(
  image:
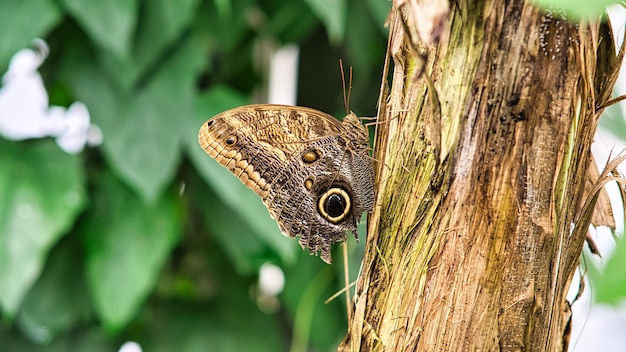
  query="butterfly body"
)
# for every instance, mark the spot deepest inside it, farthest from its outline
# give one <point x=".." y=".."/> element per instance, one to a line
<point x="311" y="171"/>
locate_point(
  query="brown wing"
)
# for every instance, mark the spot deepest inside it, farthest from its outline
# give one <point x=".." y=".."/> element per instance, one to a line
<point x="256" y="141"/>
<point x="292" y="156"/>
<point x="280" y="128"/>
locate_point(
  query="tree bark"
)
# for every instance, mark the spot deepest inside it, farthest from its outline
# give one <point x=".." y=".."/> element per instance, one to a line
<point x="478" y="226"/>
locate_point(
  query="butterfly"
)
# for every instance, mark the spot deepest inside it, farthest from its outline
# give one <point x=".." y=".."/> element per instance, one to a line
<point x="312" y="172"/>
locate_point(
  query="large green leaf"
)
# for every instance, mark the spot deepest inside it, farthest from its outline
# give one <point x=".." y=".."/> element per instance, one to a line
<point x="290" y="21"/>
<point x="363" y="40"/>
<point x="380" y="12"/>
<point x="333" y="14"/>
<point x="58" y="301"/>
<point x="162" y="22"/>
<point x="225" y="319"/>
<point x="110" y="23"/>
<point x="230" y="322"/>
<point x="227" y="187"/>
<point x="23" y="20"/>
<point x="245" y="249"/>
<point x="613" y="121"/>
<point x="220" y="22"/>
<point x="142" y="126"/>
<point x="610" y="283"/>
<point x="576" y="8"/>
<point x="91" y="340"/>
<point x="223" y="7"/>
<point x="127" y="242"/>
<point x="308" y="284"/>
<point x="41" y="193"/>
<point x="159" y="30"/>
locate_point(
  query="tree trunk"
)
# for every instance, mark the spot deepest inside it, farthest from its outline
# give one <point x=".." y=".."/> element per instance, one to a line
<point x="478" y="226"/>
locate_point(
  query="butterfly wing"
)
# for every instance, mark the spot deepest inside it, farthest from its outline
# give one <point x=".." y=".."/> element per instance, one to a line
<point x="291" y="157"/>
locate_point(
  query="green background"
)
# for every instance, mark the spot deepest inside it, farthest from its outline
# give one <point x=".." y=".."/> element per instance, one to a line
<point x="146" y="238"/>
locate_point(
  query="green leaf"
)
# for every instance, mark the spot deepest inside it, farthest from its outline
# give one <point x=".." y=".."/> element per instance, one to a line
<point x="364" y="41"/>
<point x="226" y="324"/>
<point x="127" y="243"/>
<point x="208" y="104"/>
<point x="222" y="24"/>
<point x="333" y="14"/>
<point x="246" y="250"/>
<point x="21" y="21"/>
<point x="223" y="7"/>
<point x="159" y="32"/>
<point x="228" y="319"/>
<point x="41" y="193"/>
<point x="576" y="8"/>
<point x="380" y="11"/>
<point x="610" y="284"/>
<point x="162" y="23"/>
<point x="110" y="23"/>
<point x="613" y="122"/>
<point x="240" y="199"/>
<point x="142" y="128"/>
<point x="308" y="283"/>
<point x="58" y="300"/>
<point x="291" y="21"/>
<point x="91" y="340"/>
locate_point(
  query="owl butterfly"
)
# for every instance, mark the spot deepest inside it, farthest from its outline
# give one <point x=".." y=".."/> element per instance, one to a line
<point x="312" y="172"/>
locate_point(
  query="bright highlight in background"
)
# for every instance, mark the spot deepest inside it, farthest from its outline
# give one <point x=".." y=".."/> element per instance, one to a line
<point x="24" y="110"/>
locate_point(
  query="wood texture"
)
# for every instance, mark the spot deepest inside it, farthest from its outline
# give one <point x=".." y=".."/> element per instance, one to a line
<point x="478" y="224"/>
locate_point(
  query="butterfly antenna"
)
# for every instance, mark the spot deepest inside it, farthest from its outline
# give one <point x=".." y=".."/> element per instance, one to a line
<point x="349" y="89"/>
<point x="346" y="98"/>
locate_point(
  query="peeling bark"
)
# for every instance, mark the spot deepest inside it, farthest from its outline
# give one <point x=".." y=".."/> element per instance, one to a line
<point x="480" y="217"/>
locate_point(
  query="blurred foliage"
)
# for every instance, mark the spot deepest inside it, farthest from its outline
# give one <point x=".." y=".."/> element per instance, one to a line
<point x="146" y="238"/>
<point x="576" y="9"/>
<point x="613" y="122"/>
<point x="607" y="274"/>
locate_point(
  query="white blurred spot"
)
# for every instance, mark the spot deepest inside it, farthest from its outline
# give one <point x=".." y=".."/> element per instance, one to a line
<point x="40" y="334"/>
<point x="24" y="110"/>
<point x="23" y="98"/>
<point x="271" y="283"/>
<point x="73" y="137"/>
<point x="271" y="279"/>
<point x="283" y="80"/>
<point x="130" y="346"/>
<point x="94" y="136"/>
